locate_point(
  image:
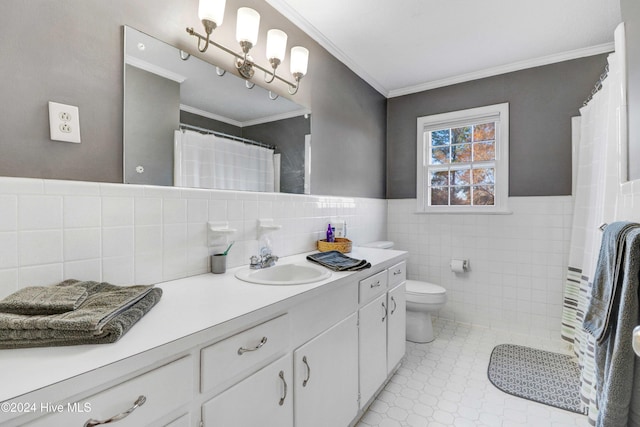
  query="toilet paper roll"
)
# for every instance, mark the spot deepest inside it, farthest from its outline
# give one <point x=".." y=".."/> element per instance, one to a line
<point x="458" y="265"/>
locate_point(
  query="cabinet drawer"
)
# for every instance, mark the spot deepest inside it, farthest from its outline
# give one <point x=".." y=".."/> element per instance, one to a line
<point x="373" y="286"/>
<point x="165" y="389"/>
<point x="227" y="361"/>
<point x="397" y="274"/>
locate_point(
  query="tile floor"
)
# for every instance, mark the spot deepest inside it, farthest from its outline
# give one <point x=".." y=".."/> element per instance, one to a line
<point x="444" y="383"/>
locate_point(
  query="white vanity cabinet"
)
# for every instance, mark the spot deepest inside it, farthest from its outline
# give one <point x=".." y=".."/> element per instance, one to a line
<point x="247" y="355"/>
<point x="263" y="399"/>
<point x="397" y="317"/>
<point x="326" y="377"/>
<point x="382" y="328"/>
<point x="373" y="347"/>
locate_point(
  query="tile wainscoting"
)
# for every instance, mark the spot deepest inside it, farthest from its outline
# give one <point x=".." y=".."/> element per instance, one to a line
<point x="53" y="230"/>
<point x="517" y="261"/>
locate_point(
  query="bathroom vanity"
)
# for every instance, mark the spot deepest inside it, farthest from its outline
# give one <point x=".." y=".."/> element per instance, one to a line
<point x="218" y="351"/>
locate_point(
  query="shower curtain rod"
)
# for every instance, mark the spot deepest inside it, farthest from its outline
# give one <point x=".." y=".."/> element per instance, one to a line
<point x="184" y="126"/>
<point x="598" y="85"/>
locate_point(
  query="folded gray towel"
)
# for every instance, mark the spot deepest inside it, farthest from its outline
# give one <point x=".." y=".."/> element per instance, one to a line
<point x="606" y="279"/>
<point x="337" y="261"/>
<point x="108" y="313"/>
<point x="44" y="300"/>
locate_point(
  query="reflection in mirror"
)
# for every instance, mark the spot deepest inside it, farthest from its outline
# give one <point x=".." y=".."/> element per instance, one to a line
<point x="188" y="123"/>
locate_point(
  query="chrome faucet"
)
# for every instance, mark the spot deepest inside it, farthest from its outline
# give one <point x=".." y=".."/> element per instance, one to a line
<point x="264" y="260"/>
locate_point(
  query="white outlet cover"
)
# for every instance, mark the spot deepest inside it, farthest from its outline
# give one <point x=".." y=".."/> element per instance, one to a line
<point x="64" y="122"/>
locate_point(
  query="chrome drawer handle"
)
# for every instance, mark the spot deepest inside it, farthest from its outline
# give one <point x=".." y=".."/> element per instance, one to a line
<point x="306" y="380"/>
<point x="139" y="402"/>
<point x="384" y="308"/>
<point x="375" y="285"/>
<point x="284" y="395"/>
<point x="395" y="305"/>
<point x="243" y="350"/>
<point x="395" y="273"/>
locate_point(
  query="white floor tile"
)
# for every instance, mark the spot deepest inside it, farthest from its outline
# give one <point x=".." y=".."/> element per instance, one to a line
<point x="444" y="383"/>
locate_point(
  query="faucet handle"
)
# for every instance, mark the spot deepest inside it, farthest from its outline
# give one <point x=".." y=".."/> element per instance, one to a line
<point x="265" y="251"/>
<point x="254" y="260"/>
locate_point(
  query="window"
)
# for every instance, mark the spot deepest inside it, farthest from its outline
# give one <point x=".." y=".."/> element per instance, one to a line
<point x="463" y="160"/>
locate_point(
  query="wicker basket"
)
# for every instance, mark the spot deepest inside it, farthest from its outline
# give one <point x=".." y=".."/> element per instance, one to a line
<point x="341" y="245"/>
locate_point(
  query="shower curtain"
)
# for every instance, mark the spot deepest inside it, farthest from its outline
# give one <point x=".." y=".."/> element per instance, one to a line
<point x="210" y="161"/>
<point x="595" y="201"/>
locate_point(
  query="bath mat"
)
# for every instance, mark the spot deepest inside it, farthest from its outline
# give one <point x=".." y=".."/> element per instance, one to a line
<point x="542" y="376"/>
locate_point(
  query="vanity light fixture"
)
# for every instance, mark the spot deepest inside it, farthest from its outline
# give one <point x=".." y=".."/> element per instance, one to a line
<point x="211" y="13"/>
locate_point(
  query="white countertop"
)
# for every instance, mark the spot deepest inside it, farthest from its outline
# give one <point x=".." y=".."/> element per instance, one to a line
<point x="187" y="306"/>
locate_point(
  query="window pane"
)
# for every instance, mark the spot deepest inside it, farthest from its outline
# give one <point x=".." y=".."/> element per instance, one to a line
<point x="440" y="155"/>
<point x="461" y="135"/>
<point x="483" y="151"/>
<point x="484" y="132"/>
<point x="483" y="195"/>
<point x="461" y="153"/>
<point x="439" y="196"/>
<point x="440" y="137"/>
<point x="460" y="177"/>
<point x="440" y="178"/>
<point x="484" y="176"/>
<point x="460" y="196"/>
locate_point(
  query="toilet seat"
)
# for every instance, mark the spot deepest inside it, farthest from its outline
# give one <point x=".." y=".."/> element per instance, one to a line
<point x="425" y="292"/>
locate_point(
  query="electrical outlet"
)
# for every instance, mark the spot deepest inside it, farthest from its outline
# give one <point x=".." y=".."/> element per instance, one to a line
<point x="64" y="122"/>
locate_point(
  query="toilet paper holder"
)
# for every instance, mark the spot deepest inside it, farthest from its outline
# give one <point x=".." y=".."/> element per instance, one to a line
<point x="459" y="265"/>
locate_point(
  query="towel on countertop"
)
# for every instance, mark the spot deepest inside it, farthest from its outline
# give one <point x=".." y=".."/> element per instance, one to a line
<point x="337" y="261"/>
<point x="617" y="368"/>
<point x="107" y="313"/>
<point x="44" y="300"/>
<point x="606" y="281"/>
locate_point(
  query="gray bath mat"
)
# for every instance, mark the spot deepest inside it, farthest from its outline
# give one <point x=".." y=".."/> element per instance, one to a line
<point x="538" y="375"/>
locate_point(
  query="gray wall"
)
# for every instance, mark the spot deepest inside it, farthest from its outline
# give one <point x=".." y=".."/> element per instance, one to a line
<point x="631" y="17"/>
<point x="542" y="101"/>
<point x="70" y="51"/>
<point x="150" y="99"/>
<point x="288" y="136"/>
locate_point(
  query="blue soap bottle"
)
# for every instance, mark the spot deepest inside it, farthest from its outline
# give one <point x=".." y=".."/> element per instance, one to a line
<point x="330" y="237"/>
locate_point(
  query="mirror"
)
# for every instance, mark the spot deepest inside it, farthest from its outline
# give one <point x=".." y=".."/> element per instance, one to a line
<point x="188" y="123"/>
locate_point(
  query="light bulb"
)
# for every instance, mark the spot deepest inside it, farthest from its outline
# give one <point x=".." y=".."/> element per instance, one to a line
<point x="299" y="60"/>
<point x="212" y="10"/>
<point x="276" y="44"/>
<point x="247" y="25"/>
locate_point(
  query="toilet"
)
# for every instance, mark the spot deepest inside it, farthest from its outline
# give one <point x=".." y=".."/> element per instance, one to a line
<point x="423" y="298"/>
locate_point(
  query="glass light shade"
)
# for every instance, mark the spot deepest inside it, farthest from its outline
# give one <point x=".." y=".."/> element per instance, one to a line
<point x="276" y="44"/>
<point x="299" y="60"/>
<point x="247" y="25"/>
<point x="212" y="10"/>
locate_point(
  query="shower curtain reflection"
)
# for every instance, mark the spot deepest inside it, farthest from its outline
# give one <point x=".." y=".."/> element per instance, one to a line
<point x="211" y="161"/>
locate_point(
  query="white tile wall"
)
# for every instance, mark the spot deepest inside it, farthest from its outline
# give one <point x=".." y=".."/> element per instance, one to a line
<point x="517" y="261"/>
<point x="126" y="234"/>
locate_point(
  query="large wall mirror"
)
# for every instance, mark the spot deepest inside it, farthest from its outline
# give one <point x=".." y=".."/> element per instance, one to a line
<point x="188" y="123"/>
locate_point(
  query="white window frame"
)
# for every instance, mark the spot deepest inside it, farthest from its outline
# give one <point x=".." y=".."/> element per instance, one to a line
<point x="498" y="113"/>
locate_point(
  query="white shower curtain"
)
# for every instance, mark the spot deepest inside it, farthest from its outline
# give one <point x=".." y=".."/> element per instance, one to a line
<point x="598" y="179"/>
<point x="210" y="161"/>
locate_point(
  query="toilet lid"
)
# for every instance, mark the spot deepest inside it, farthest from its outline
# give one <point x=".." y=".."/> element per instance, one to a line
<point x="421" y="288"/>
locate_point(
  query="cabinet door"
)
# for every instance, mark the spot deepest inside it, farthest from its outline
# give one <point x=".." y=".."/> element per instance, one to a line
<point x="396" y="326"/>
<point x="264" y="398"/>
<point x="373" y="347"/>
<point x="326" y="377"/>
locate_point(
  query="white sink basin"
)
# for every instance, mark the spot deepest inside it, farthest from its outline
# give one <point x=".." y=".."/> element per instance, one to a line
<point x="284" y="274"/>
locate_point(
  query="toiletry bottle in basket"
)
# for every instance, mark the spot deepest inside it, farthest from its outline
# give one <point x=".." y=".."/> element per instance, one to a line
<point x="330" y="237"/>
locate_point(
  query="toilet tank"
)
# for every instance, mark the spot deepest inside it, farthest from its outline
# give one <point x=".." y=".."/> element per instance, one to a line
<point x="380" y="244"/>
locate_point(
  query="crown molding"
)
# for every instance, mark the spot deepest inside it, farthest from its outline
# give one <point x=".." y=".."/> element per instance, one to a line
<point x="503" y="69"/>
